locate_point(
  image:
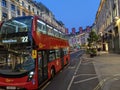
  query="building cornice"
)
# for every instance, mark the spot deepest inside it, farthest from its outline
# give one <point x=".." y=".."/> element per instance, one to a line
<point x="100" y="8"/>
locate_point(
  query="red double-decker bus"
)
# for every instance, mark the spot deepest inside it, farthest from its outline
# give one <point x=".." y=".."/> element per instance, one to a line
<point x="32" y="51"/>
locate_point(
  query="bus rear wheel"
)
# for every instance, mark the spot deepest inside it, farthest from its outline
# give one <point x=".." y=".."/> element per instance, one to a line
<point x="52" y="72"/>
<point x="67" y="62"/>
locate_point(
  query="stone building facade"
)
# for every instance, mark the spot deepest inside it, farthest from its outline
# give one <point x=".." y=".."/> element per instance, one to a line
<point x="79" y="39"/>
<point x="14" y="8"/>
<point x="108" y="24"/>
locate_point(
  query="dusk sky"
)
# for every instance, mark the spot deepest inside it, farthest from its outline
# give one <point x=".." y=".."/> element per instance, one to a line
<point x="73" y="13"/>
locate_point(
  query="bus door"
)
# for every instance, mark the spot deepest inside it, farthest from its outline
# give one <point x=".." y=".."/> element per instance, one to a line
<point x="42" y="66"/>
<point x="62" y="57"/>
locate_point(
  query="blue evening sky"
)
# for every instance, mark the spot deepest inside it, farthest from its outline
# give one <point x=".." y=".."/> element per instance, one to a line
<point x="73" y="13"/>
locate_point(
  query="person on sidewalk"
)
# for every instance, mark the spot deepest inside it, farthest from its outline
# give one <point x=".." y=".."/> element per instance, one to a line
<point x="99" y="51"/>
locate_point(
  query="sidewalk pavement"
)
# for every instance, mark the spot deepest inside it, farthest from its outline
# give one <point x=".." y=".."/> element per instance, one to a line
<point x="107" y="67"/>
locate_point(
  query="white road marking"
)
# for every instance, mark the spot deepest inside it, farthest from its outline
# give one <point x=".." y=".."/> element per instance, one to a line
<point x="71" y="67"/>
<point x="85" y="75"/>
<point x="106" y="80"/>
<point x="85" y="80"/>
<point x="43" y="88"/>
<point x="68" y="88"/>
<point x="77" y="67"/>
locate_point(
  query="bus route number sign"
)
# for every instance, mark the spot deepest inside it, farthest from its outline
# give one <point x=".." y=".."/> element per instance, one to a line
<point x="24" y="39"/>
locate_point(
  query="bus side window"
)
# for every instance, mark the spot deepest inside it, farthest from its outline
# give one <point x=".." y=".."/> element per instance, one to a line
<point x="44" y="29"/>
<point x="56" y="33"/>
<point x="65" y="51"/>
<point x="51" y="56"/>
<point x="50" y="30"/>
<point x="62" y="36"/>
<point x="40" y="59"/>
<point x="41" y="27"/>
<point x="57" y="52"/>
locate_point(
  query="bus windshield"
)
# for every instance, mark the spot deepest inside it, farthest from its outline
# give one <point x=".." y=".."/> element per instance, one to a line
<point x="16" y="25"/>
<point x="15" y="62"/>
<point x="17" y="30"/>
<point x="15" y="44"/>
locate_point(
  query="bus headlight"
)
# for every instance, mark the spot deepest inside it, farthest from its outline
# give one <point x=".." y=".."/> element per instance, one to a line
<point x="30" y="75"/>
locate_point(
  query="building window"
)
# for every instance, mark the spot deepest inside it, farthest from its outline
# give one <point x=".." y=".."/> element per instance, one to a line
<point x="4" y="16"/>
<point x="18" y="12"/>
<point x="4" y="3"/>
<point x="29" y="7"/>
<point x="23" y="4"/>
<point x="23" y="13"/>
<point x="37" y="12"/>
<point x="13" y="7"/>
<point x="33" y="9"/>
<point x="17" y="0"/>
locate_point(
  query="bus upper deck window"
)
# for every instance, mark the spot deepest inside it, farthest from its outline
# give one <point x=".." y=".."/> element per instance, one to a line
<point x="41" y="27"/>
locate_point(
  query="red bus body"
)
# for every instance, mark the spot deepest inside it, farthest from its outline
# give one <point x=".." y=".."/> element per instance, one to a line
<point x="50" y="55"/>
